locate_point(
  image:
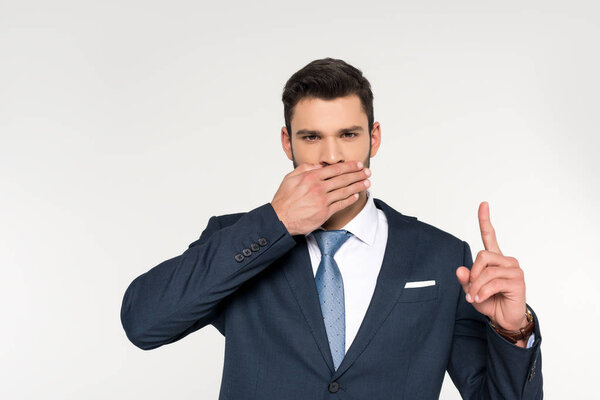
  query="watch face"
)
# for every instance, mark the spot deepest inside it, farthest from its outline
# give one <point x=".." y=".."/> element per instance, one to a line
<point x="528" y="314"/>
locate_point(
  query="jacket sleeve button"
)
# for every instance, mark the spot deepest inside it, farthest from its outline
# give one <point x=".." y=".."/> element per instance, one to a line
<point x="262" y="241"/>
<point x="532" y="371"/>
<point x="246" y="252"/>
<point x="254" y="247"/>
<point x="238" y="257"/>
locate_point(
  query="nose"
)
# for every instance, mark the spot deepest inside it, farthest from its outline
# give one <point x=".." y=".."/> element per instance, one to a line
<point x="331" y="153"/>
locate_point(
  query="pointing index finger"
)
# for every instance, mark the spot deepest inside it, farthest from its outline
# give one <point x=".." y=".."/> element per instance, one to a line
<point x="488" y="234"/>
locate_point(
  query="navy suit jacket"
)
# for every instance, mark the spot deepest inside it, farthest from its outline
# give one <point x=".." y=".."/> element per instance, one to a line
<point x="265" y="303"/>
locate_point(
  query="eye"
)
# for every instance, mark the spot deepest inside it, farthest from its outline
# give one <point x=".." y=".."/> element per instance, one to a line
<point x="310" y="138"/>
<point x="349" y="134"/>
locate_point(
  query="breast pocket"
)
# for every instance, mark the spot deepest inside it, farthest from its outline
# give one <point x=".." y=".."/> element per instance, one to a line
<point x="416" y="294"/>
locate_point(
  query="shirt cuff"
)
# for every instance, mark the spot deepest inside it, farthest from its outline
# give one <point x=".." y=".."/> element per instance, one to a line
<point x="530" y="340"/>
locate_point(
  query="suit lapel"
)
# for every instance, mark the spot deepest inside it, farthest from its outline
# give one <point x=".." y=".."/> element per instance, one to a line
<point x="398" y="261"/>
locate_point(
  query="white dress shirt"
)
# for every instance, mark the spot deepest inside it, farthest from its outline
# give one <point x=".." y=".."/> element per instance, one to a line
<point x="359" y="260"/>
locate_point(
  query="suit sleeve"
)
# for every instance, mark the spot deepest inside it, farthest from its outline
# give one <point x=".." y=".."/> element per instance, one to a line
<point x="185" y="293"/>
<point x="484" y="365"/>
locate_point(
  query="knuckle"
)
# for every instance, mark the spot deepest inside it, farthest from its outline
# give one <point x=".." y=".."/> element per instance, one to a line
<point x="497" y="272"/>
<point x="488" y="289"/>
<point x="322" y="201"/>
<point x="314" y="189"/>
<point x="483" y="292"/>
<point x="349" y="178"/>
<point x="344" y="191"/>
<point x="486" y="273"/>
<point x="494" y="285"/>
<point x="309" y="177"/>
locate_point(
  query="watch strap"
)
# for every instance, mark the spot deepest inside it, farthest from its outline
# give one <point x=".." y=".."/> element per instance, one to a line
<point x="521" y="334"/>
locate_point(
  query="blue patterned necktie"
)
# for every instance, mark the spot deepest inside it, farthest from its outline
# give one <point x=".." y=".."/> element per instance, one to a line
<point x="331" y="291"/>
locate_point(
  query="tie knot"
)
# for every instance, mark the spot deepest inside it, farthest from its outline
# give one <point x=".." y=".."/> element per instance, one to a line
<point x="330" y="241"/>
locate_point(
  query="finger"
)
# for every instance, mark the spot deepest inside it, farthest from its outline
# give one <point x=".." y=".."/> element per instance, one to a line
<point x="489" y="274"/>
<point x="346" y="179"/>
<point x="341" y="204"/>
<point x="463" y="274"/>
<point x="304" y="167"/>
<point x="488" y="234"/>
<point x="347" y="191"/>
<point x="486" y="259"/>
<point x="339" y="168"/>
<point x="493" y="287"/>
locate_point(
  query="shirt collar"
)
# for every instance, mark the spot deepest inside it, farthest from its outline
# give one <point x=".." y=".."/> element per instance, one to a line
<point x="364" y="224"/>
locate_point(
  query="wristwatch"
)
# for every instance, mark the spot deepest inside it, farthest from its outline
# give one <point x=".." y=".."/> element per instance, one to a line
<point x="521" y="334"/>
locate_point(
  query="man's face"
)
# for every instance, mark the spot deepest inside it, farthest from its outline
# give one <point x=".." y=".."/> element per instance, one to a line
<point x="330" y="131"/>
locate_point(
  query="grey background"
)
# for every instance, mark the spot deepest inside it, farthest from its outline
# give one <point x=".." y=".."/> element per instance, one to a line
<point x="125" y="125"/>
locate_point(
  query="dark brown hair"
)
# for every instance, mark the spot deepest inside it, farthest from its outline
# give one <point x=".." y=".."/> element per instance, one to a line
<point x="327" y="79"/>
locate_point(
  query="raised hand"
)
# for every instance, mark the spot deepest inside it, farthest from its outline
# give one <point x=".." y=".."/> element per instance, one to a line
<point x="310" y="194"/>
<point x="495" y="285"/>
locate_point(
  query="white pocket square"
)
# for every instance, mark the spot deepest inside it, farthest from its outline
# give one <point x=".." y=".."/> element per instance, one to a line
<point x="418" y="284"/>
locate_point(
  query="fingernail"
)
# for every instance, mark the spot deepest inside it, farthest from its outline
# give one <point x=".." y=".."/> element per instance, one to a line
<point x="469" y="298"/>
<point x="367" y="183"/>
<point x="367" y="172"/>
<point x="477" y="298"/>
<point x="359" y="164"/>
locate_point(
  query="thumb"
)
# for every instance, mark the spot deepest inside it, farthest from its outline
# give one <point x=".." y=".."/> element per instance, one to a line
<point x="463" y="274"/>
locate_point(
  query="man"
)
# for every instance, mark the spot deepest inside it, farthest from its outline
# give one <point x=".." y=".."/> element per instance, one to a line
<point x="326" y="292"/>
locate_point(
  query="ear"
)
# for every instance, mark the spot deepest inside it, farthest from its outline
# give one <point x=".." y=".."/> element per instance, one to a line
<point x="286" y="143"/>
<point x="375" y="138"/>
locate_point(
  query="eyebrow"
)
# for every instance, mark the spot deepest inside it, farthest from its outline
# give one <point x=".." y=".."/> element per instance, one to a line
<point x="343" y="130"/>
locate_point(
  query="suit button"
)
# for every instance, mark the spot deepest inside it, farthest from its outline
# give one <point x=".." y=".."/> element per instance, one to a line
<point x="254" y="247"/>
<point x="334" y="387"/>
<point x="532" y="371"/>
<point x="247" y="252"/>
<point x="262" y="241"/>
<point x="238" y="257"/>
